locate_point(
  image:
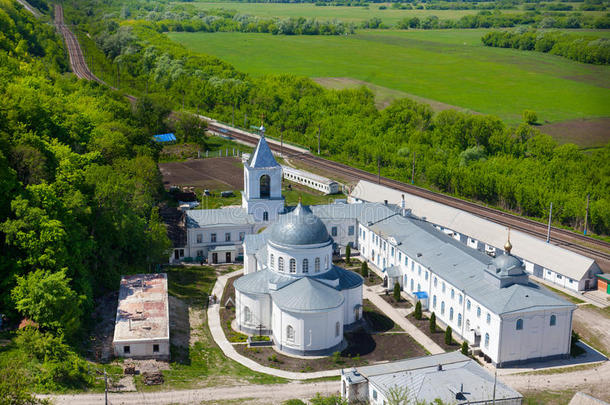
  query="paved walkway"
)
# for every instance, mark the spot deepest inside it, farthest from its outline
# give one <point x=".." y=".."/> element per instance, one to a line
<point x="229" y="351"/>
<point x="398" y="318"/>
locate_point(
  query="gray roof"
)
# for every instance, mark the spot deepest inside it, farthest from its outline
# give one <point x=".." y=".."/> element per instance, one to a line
<point x="423" y="380"/>
<point x="258" y="282"/>
<point x="462" y="266"/>
<point x="299" y="227"/>
<point x="363" y="212"/>
<point x="262" y="156"/>
<point x="393" y="271"/>
<point x="530" y="248"/>
<point x="307" y="294"/>
<point x="221" y="216"/>
<point x="508" y="264"/>
<point x="347" y="279"/>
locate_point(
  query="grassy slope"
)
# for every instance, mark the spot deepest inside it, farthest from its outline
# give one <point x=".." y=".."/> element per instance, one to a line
<point x="346" y="14"/>
<point x="451" y="66"/>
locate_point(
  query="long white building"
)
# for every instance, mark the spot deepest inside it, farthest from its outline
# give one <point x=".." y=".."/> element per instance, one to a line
<point x="320" y="183"/>
<point x="489" y="302"/>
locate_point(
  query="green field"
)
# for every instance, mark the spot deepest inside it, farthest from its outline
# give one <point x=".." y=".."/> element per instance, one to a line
<point x="446" y="66"/>
<point x="346" y="14"/>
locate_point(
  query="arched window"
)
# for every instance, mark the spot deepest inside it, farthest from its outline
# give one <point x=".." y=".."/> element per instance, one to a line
<point x="317" y="264"/>
<point x="459" y="320"/>
<point x="478" y="312"/>
<point x="488" y="318"/>
<point x="451" y="314"/>
<point x="293" y="266"/>
<point x="419" y="270"/>
<point x="553" y="321"/>
<point x="357" y="313"/>
<point x="337" y="329"/>
<point x="272" y="260"/>
<point x="468" y="305"/>
<point x="247" y="315"/>
<point x="452" y="293"/>
<point x="265" y="216"/>
<point x="280" y="264"/>
<point x="434" y="301"/>
<point x="435" y="281"/>
<point x="305" y="266"/>
<point x="443" y="286"/>
<point x="418" y="287"/>
<point x="265" y="186"/>
<point x="426" y="276"/>
<point x="460" y="299"/>
<point x="412" y="285"/>
<point x="519" y="324"/>
<point x="290" y="333"/>
<point x="442" y="307"/>
<point x="325" y="262"/>
<point x="467" y="324"/>
<point x="487" y="340"/>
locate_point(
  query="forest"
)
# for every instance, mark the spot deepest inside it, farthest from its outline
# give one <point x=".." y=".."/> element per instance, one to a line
<point x="78" y="208"/>
<point x="581" y="48"/>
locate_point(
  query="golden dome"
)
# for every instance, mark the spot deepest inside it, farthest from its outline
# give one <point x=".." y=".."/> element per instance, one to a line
<point x="508" y="246"/>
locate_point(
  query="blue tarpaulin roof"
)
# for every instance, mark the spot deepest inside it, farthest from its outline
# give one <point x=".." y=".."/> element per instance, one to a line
<point x="164" y="138"/>
<point x="421" y="295"/>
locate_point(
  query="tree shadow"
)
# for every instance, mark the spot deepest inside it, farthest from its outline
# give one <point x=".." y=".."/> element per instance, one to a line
<point x="180" y="331"/>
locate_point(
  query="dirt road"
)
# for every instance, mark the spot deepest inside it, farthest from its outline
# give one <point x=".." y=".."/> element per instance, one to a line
<point x="271" y="394"/>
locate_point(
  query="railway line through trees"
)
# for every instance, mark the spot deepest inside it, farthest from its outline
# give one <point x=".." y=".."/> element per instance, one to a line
<point x="587" y="246"/>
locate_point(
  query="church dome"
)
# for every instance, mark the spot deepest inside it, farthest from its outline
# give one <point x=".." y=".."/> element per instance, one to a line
<point x="300" y="227"/>
<point x="508" y="265"/>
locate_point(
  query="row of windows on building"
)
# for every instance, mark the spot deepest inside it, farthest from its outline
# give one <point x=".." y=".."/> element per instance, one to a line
<point x="292" y="264"/>
<point x="248" y="320"/>
<point x="334" y="231"/>
<point x="213" y="237"/>
<point x="127" y="349"/>
<point x="304" y="180"/>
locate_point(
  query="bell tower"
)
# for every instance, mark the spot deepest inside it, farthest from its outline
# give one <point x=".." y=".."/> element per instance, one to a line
<point x="262" y="195"/>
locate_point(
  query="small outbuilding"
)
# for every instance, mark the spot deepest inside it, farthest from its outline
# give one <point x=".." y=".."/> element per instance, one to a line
<point x="603" y="282"/>
<point x="451" y="377"/>
<point x="141" y="328"/>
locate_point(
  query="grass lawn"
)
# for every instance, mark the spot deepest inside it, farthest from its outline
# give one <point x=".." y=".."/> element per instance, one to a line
<point x="202" y="363"/>
<point x="547" y="397"/>
<point x="449" y="66"/>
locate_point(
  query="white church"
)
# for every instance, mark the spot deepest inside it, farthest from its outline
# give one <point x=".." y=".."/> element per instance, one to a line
<point x="291" y="290"/>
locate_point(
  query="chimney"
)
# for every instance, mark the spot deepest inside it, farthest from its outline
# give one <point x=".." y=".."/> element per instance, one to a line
<point x="439" y="367"/>
<point x="385" y="202"/>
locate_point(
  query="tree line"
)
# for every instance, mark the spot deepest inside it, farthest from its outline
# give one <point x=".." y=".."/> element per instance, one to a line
<point x="78" y="208"/>
<point x="582" y="48"/>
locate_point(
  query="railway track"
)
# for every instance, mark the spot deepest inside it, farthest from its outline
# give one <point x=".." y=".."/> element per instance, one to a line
<point x="598" y="250"/>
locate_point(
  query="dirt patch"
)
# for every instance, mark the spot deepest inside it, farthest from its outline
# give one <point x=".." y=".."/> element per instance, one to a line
<point x="104" y="316"/>
<point x="586" y="133"/>
<point x="384" y="96"/>
<point x="403" y="303"/>
<point x="438" y="337"/>
<point x="211" y="173"/>
<point x="593" y="326"/>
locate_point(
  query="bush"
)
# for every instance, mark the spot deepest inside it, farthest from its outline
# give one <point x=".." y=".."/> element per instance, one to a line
<point x="433" y="323"/>
<point x="364" y="270"/>
<point x="337" y="357"/>
<point x="465" y="348"/>
<point x="396" y="292"/>
<point x="530" y="117"/>
<point x="448" y="337"/>
<point x="293" y="402"/>
<point x="417" y="313"/>
<point x="348" y="254"/>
